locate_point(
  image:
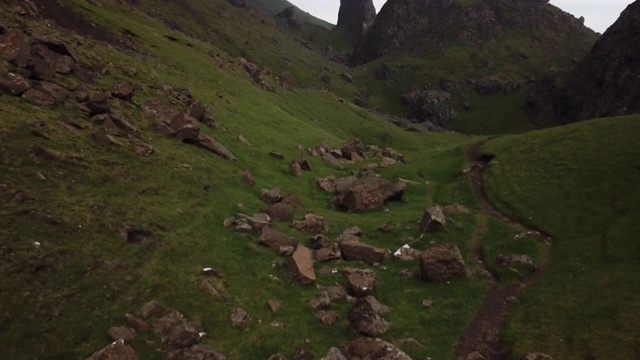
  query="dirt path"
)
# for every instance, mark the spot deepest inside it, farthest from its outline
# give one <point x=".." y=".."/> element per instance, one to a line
<point x="483" y="332"/>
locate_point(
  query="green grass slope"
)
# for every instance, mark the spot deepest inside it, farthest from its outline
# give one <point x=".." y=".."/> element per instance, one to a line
<point x="58" y="299"/>
<point x="273" y="7"/>
<point x="579" y="184"/>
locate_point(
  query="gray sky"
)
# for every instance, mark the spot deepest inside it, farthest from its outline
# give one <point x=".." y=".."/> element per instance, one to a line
<point x="598" y="14"/>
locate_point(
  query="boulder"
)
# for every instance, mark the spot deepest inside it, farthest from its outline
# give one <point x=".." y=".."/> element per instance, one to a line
<point x="152" y="309"/>
<point x="366" y="320"/>
<point x="123" y="91"/>
<point x="98" y="103"/>
<point x="13" y="84"/>
<point x="215" y="147"/>
<point x="433" y="218"/>
<point x="368" y="348"/>
<point x="295" y="169"/>
<point x="123" y="333"/>
<point x="38" y="97"/>
<point x="336" y="292"/>
<point x="285" y="209"/>
<point x="328" y="253"/>
<point x="354" y="18"/>
<point x="301" y="265"/>
<point x="135" y="323"/>
<point x="185" y="128"/>
<point x="352" y="147"/>
<point x="433" y="106"/>
<point x="353" y="250"/>
<point x="101" y="138"/>
<point x="441" y="262"/>
<point x="117" y="350"/>
<point x="361" y="283"/>
<point x="331" y="159"/>
<point x="367" y="192"/>
<point x="327" y="317"/>
<point x="271" y="196"/>
<point x="320" y="301"/>
<point x="276" y="240"/>
<point x="334" y="354"/>
<point x="455" y="209"/>
<point x="273" y="305"/>
<point x="240" y="318"/>
<point x="312" y="223"/>
<point x="14" y="46"/>
<point x="327" y="184"/>
<point x="175" y="331"/>
<point x="57" y="92"/>
<point x="195" y="352"/>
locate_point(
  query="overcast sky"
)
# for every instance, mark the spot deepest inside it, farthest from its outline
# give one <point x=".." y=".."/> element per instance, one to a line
<point x="598" y="14"/>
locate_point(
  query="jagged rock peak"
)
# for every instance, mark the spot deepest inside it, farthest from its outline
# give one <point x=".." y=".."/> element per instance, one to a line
<point x="356" y="16"/>
<point x="606" y="82"/>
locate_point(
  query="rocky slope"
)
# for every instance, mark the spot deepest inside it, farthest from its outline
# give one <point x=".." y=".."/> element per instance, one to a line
<point x="606" y="82"/>
<point x="419" y="24"/>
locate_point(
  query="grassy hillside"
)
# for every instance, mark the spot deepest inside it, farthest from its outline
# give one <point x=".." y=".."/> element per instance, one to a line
<point x="579" y="184"/>
<point x="60" y="297"/>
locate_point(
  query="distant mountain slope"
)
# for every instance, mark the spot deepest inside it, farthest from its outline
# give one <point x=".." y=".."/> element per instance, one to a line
<point x="606" y="82"/>
<point x="273" y="7"/>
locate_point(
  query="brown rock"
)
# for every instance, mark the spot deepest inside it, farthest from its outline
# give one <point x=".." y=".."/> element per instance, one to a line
<point x="195" y="352"/>
<point x="115" y="351"/>
<point x="432" y="219"/>
<point x="102" y="138"/>
<point x="247" y="177"/>
<point x="98" y="103"/>
<point x="276" y="155"/>
<point x="352" y="147"/>
<point x="285" y="209"/>
<point x="123" y="333"/>
<point x="240" y="318"/>
<point x="368" y="348"/>
<point x="175" y="331"/>
<point x="320" y="241"/>
<point x="327" y="254"/>
<point x="327" y="184"/>
<point x="365" y="319"/>
<point x="336" y="292"/>
<point x="275" y="239"/>
<point x="271" y="196"/>
<point x="185" y="128"/>
<point x="13" y="84"/>
<point x="301" y="265"/>
<point x="277" y="356"/>
<point x="215" y="147"/>
<point x="294" y="168"/>
<point x="273" y="305"/>
<point x="152" y="309"/>
<point x="215" y="293"/>
<point x="536" y="356"/>
<point x="406" y="253"/>
<point x="327" y="317"/>
<point x="476" y="355"/>
<point x="136" y="323"/>
<point x="143" y="148"/>
<point x="312" y="223"/>
<point x="359" y="251"/>
<point x="386" y="162"/>
<point x="361" y="283"/>
<point x="123" y="91"/>
<point x="14" y="46"/>
<point x="39" y="97"/>
<point x="367" y="192"/>
<point x="123" y="124"/>
<point x="320" y="301"/>
<point x="257" y="222"/>
<point x="304" y="164"/>
<point x="329" y="158"/>
<point x="334" y="354"/>
<point x="302" y="354"/>
<point x="440" y="262"/>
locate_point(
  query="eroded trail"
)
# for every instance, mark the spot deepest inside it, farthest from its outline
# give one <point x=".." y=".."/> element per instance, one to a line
<point x="482" y="335"/>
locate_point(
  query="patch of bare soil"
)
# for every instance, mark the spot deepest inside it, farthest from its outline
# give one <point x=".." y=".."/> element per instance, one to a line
<point x="483" y="333"/>
<point x="70" y="20"/>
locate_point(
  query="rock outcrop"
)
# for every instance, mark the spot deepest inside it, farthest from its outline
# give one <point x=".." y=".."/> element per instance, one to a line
<point x="417" y="25"/>
<point x="441" y="262"/>
<point x="606" y="83"/>
<point x="355" y="17"/>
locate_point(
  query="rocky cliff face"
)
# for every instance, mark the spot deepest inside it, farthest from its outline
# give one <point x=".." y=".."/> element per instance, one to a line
<point x="356" y="16"/>
<point x="419" y="24"/>
<point x="607" y="82"/>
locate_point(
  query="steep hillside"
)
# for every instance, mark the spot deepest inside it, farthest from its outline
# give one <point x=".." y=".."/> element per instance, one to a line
<point x="606" y="83"/>
<point x="489" y="56"/>
<point x="576" y="184"/>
